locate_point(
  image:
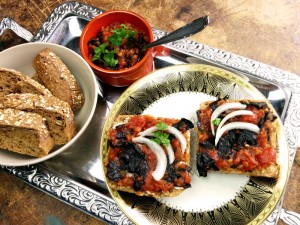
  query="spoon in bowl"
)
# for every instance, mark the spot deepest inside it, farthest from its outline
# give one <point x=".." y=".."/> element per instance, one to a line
<point x="189" y="29"/>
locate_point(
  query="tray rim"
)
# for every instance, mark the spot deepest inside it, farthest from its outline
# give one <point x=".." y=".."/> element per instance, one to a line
<point x="45" y="180"/>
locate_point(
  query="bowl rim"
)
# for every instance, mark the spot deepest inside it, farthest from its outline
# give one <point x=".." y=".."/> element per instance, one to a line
<point x="60" y="149"/>
<point x="121" y="71"/>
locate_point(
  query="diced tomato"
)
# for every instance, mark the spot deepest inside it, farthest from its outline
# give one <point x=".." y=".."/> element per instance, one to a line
<point x="262" y="138"/>
<point x="245" y="160"/>
<point x="266" y="157"/>
<point x="258" y="114"/>
<point x="222" y="164"/>
<point x="113" y="153"/>
<point x="208" y="113"/>
<point x="187" y="177"/>
<point x="156" y="186"/>
<point x="131" y="50"/>
<point x="105" y="35"/>
<point x="126" y="182"/>
<point x="177" y="150"/>
<point x="214" y="155"/>
<point x="137" y="123"/>
<point x="175" y="143"/>
<point x="112" y="134"/>
<point x="203" y="136"/>
<point x="151" y="158"/>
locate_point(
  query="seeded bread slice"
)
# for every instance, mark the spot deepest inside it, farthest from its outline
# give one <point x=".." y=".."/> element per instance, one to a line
<point x="124" y="120"/>
<point x="24" y="133"/>
<point x="12" y="81"/>
<point x="58" y="114"/>
<point x="55" y="75"/>
<point x="270" y="124"/>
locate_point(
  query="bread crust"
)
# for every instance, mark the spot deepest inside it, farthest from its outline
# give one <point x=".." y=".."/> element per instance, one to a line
<point x="174" y="192"/>
<point x="272" y="171"/>
<point x="123" y="119"/>
<point x="55" y="75"/>
<point x="25" y="133"/>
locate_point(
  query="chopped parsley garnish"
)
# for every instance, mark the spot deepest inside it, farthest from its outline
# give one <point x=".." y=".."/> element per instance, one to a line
<point x="161" y="126"/>
<point x="161" y="137"/>
<point x="121" y="33"/>
<point x="105" y="55"/>
<point x="108" y="57"/>
<point x="216" y="121"/>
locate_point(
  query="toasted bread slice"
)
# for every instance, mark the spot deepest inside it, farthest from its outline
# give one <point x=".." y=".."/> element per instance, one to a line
<point x="55" y="75"/>
<point x="130" y="162"/>
<point x="12" y="81"/>
<point x="58" y="114"/>
<point x="24" y="133"/>
<point x="239" y="150"/>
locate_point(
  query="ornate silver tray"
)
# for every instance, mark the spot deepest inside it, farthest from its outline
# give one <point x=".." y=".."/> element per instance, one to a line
<point x="76" y="178"/>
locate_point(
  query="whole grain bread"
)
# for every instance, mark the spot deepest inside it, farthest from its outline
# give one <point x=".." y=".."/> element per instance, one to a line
<point x="55" y="75"/>
<point x="12" y="81"/>
<point x="273" y="129"/>
<point x="24" y="133"/>
<point x="271" y="171"/>
<point x="58" y="114"/>
<point x="123" y="119"/>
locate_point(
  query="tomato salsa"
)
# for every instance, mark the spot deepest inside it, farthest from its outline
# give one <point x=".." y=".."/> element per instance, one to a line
<point x="117" y="46"/>
<point x="120" y="137"/>
<point x="253" y="152"/>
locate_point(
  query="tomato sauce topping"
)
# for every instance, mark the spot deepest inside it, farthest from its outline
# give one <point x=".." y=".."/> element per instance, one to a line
<point x="136" y="124"/>
<point x="245" y="158"/>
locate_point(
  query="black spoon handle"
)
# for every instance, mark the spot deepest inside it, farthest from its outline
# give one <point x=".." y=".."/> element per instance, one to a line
<point x="189" y="29"/>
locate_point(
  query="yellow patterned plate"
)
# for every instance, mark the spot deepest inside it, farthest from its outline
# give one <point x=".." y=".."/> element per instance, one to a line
<point x="177" y="91"/>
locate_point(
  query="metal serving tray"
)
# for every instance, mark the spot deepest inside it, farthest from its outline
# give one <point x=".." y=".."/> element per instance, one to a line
<point x="75" y="176"/>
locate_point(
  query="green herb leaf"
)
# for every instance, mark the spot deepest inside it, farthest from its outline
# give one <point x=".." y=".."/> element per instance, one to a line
<point x="103" y="54"/>
<point x="161" y="126"/>
<point x="161" y="138"/>
<point x="109" y="59"/>
<point x="121" y="33"/>
<point x="115" y="40"/>
<point x="98" y="51"/>
<point x="107" y="56"/>
<point x="216" y="121"/>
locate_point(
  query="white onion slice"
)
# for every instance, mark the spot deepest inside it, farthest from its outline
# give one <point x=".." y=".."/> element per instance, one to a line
<point x="233" y="114"/>
<point x="222" y="108"/>
<point x="161" y="166"/>
<point x="170" y="153"/>
<point x="148" y="132"/>
<point x="170" y="129"/>
<point x="236" y="125"/>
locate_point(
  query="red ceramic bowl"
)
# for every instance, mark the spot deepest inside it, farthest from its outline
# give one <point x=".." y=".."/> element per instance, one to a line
<point x="123" y="77"/>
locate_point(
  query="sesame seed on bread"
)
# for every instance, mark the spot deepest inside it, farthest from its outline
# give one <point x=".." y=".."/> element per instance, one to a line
<point x="24" y="133"/>
<point x="58" y="114"/>
<point x="55" y="75"/>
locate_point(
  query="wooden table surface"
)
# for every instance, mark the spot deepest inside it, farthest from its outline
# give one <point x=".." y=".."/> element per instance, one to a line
<point x="266" y="31"/>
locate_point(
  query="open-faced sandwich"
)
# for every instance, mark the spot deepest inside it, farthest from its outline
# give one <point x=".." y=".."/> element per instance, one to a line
<point x="237" y="136"/>
<point x="149" y="156"/>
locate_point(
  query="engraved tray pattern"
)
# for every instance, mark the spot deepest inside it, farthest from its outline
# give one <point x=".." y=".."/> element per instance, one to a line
<point x="104" y="208"/>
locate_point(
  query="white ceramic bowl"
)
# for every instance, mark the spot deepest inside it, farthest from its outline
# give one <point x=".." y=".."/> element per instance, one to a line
<point x="20" y="58"/>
